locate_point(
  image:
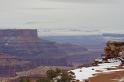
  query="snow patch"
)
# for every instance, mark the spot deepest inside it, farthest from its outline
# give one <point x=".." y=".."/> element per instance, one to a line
<point x="87" y="72"/>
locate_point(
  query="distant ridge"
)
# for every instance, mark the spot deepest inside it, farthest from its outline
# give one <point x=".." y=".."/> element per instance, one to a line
<point x="113" y="34"/>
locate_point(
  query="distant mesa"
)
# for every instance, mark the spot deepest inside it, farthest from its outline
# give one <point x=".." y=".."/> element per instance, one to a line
<point x="113" y="35"/>
<point x="18" y="34"/>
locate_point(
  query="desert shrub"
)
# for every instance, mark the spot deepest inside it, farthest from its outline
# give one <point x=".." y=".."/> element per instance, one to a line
<point x="43" y="80"/>
<point x="24" y="79"/>
<point x="51" y="74"/>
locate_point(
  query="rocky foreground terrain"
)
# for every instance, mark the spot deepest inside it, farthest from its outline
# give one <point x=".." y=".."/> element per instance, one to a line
<point x="117" y="76"/>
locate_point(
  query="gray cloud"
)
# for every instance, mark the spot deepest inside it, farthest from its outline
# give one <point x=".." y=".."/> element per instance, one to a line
<point x="86" y="1"/>
<point x="42" y="8"/>
<point x="58" y="17"/>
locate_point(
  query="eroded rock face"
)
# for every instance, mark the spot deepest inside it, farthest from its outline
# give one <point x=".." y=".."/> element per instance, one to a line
<point x="24" y="44"/>
<point x="113" y="49"/>
<point x="9" y="65"/>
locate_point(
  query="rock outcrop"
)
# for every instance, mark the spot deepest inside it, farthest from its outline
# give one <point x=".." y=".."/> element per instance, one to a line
<point x="113" y="48"/>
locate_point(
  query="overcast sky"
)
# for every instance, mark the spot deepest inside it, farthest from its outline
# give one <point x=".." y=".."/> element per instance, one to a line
<point x="64" y="17"/>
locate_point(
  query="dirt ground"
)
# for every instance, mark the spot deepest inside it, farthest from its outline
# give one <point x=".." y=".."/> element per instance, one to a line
<point x="109" y="77"/>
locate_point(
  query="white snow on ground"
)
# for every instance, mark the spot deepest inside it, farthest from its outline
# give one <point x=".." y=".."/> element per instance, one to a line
<point x="86" y="72"/>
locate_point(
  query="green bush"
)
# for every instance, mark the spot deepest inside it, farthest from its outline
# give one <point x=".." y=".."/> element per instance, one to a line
<point x="58" y="70"/>
<point x="44" y="80"/>
<point x="65" y="77"/>
<point x="51" y="74"/>
<point x="24" y="79"/>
